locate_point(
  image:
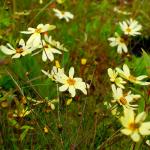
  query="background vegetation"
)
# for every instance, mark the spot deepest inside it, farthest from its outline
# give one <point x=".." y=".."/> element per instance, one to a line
<point x="86" y="123"/>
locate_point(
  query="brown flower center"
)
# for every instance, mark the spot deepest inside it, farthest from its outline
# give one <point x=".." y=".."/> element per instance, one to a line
<point x="45" y="46"/>
<point x="123" y="101"/>
<point x="122" y="40"/>
<point x="19" y="50"/>
<point x="133" y="126"/>
<point x="71" y="81"/>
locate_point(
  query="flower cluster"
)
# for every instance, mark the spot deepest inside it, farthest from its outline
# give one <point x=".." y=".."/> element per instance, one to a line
<point x="69" y="83"/>
<point x="133" y="126"/>
<point x="129" y="28"/>
<point x="38" y="40"/>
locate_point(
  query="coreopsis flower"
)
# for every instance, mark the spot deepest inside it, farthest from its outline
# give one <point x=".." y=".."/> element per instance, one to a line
<point x="131" y="27"/>
<point x="83" y="61"/>
<point x="35" y="37"/>
<point x="134" y="125"/>
<point x="116" y="9"/>
<point x="119" y="42"/>
<point x="55" y="73"/>
<point x="124" y="100"/>
<point x="46" y="129"/>
<point x="70" y="83"/>
<point x="114" y="78"/>
<point x="48" y="51"/>
<point x="54" y="44"/>
<point x="125" y="73"/>
<point x="63" y="15"/>
<point x="21" y="50"/>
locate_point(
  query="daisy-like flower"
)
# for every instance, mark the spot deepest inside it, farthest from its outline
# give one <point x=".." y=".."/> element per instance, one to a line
<point x="71" y="84"/>
<point x="48" y="50"/>
<point x="55" y="44"/>
<point x="120" y="42"/>
<point x="124" y="100"/>
<point x="35" y="37"/>
<point x="125" y="73"/>
<point x="114" y="78"/>
<point x="22" y="49"/>
<point x="131" y="27"/>
<point x="63" y="15"/>
<point x="55" y="73"/>
<point x="134" y="125"/>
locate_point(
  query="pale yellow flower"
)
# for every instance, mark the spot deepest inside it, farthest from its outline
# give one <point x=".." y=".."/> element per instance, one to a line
<point x="122" y="99"/>
<point x="22" y="49"/>
<point x="125" y="73"/>
<point x="63" y="15"/>
<point x="134" y="125"/>
<point x="114" y="78"/>
<point x="71" y="84"/>
<point x="35" y="38"/>
<point x="131" y="27"/>
<point x="119" y="42"/>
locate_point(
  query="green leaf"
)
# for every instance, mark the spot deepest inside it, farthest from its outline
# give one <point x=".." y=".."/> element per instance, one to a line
<point x="146" y="58"/>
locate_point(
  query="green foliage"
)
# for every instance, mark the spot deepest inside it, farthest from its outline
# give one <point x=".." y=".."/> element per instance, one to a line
<point x="86" y="123"/>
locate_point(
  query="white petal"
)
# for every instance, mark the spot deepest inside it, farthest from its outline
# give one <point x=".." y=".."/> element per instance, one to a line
<point x="126" y="131"/>
<point x="6" y="50"/>
<point x="135" y="137"/>
<point x="21" y="42"/>
<point x="50" y="55"/>
<point x="17" y="55"/>
<point x="126" y="70"/>
<point x="81" y="86"/>
<point x="72" y="91"/>
<point x="145" y="128"/>
<point x="140" y="117"/>
<point x="71" y="72"/>
<point x="141" y="77"/>
<point x="44" y="56"/>
<point x="63" y="88"/>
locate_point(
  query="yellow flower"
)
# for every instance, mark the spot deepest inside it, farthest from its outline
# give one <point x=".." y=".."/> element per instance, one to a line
<point x="124" y="99"/>
<point x="83" y="61"/>
<point x="134" y="125"/>
<point x="114" y="78"/>
<point x="57" y="64"/>
<point x="46" y="129"/>
<point x="125" y="73"/>
<point x="69" y="101"/>
<point x="21" y="50"/>
<point x="60" y="1"/>
<point x="70" y="83"/>
<point x="35" y="38"/>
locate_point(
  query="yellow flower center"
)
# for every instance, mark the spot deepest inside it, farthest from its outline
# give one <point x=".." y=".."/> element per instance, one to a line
<point x="123" y="101"/>
<point x="133" y="126"/>
<point x="62" y="12"/>
<point x="19" y="50"/>
<point x="132" y="78"/>
<point x="38" y="30"/>
<point x="128" y="30"/>
<point x="71" y="81"/>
